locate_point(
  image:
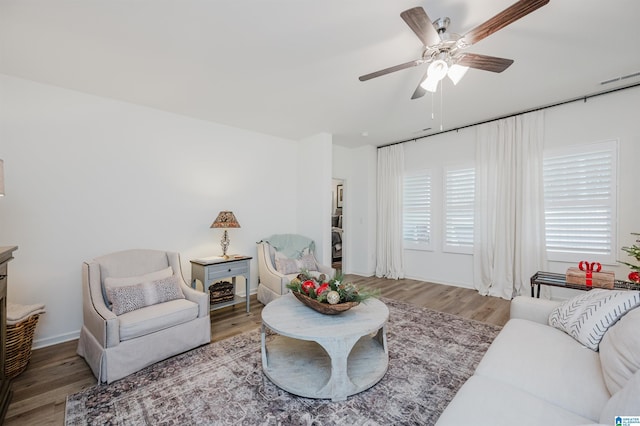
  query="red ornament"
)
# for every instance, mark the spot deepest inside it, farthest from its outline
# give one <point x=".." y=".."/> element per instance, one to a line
<point x="634" y="276"/>
<point x="324" y="287"/>
<point x="308" y="285"/>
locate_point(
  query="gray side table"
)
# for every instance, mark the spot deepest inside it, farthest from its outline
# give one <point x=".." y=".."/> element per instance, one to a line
<point x="212" y="269"/>
<point x="324" y="356"/>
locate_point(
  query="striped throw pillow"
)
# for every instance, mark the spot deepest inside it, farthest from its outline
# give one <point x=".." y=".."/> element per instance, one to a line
<point x="588" y="316"/>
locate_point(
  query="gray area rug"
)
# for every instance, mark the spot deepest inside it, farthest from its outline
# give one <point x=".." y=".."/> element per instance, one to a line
<point x="431" y="354"/>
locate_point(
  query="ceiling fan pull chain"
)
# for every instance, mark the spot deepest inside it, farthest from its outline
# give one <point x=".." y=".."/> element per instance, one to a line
<point x="441" y="96"/>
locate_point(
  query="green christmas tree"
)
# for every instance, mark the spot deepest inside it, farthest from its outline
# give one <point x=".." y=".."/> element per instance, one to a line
<point x="633" y="251"/>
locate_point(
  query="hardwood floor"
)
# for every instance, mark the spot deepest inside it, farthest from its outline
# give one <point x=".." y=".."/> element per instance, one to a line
<point x="39" y="393"/>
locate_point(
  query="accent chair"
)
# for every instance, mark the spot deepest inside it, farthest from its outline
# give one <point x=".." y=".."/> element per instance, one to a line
<point x="281" y="257"/>
<point x="138" y="310"/>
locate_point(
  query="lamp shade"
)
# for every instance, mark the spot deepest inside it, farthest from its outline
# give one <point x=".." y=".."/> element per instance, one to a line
<point x="430" y="84"/>
<point x="435" y="72"/>
<point x="437" y="69"/>
<point x="225" y="219"/>
<point x="456" y="72"/>
<point x="1" y="178"/>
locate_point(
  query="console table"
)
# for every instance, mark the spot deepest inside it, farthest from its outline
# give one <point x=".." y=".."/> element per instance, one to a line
<point x="553" y="279"/>
<point x="208" y="270"/>
<point x="6" y="254"/>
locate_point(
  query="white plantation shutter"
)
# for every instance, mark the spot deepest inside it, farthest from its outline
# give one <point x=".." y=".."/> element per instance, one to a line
<point x="459" y="195"/>
<point x="416" y="211"/>
<point x="580" y="203"/>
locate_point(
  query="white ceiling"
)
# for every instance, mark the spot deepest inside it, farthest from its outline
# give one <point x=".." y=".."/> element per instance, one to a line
<point x="290" y="68"/>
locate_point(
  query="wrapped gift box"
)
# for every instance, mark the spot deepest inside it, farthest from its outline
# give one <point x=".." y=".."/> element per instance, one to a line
<point x="602" y="279"/>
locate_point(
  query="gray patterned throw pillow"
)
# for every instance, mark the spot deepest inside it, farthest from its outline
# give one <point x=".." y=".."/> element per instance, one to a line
<point x="308" y="262"/>
<point x="126" y="299"/>
<point x="588" y="316"/>
<point x="129" y="298"/>
<point x="167" y="289"/>
<point x="287" y="266"/>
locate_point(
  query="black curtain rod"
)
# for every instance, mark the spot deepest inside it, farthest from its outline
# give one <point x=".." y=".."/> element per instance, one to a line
<point x="582" y="98"/>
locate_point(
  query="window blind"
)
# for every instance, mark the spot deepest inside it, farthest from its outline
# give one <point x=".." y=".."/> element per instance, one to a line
<point x="580" y="203"/>
<point x="459" y="195"/>
<point x="416" y="211"/>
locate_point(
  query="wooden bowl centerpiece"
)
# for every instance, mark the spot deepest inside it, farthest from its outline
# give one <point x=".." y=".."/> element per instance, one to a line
<point x="324" y="308"/>
<point x="329" y="297"/>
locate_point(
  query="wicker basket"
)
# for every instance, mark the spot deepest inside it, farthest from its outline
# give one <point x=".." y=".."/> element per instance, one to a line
<point x="19" y="341"/>
<point x="222" y="291"/>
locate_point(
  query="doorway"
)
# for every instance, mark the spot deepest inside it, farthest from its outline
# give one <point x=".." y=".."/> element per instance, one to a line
<point x="337" y="224"/>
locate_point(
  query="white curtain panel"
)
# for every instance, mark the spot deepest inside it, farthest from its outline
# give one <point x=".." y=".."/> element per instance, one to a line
<point x="389" y="250"/>
<point x="509" y="238"/>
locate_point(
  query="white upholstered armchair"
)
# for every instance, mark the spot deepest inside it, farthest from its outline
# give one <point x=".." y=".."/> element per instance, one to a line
<point x="280" y="259"/>
<point x="138" y="310"/>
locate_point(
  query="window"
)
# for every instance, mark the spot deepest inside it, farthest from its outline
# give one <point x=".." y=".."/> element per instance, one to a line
<point x="459" y="195"/>
<point x="416" y="211"/>
<point x="580" y="202"/>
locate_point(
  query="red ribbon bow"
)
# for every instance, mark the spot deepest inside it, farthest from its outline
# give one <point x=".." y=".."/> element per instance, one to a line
<point x="589" y="269"/>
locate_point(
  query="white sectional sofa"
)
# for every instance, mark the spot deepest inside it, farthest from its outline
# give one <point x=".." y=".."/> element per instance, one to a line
<point x="535" y="374"/>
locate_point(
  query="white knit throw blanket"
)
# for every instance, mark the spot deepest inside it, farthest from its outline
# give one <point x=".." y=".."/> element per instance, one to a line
<point x="17" y="312"/>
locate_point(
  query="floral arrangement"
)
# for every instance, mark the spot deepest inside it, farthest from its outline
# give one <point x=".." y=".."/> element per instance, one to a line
<point x="333" y="291"/>
<point x="633" y="251"/>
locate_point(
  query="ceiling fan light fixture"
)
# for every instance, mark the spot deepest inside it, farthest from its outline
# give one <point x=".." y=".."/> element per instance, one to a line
<point x="437" y="69"/>
<point x="456" y="72"/>
<point x="430" y="84"/>
<point x="442" y="48"/>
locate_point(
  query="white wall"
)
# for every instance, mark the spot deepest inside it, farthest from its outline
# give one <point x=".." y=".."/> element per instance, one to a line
<point x="434" y="154"/>
<point x="314" y="193"/>
<point x="612" y="116"/>
<point x="357" y="168"/>
<point x="86" y="176"/>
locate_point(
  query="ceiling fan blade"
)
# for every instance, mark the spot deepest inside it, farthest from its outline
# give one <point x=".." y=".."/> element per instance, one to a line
<point x="391" y="69"/>
<point x="420" y="91"/>
<point x="417" y="19"/>
<point x="484" y="62"/>
<point x="502" y="19"/>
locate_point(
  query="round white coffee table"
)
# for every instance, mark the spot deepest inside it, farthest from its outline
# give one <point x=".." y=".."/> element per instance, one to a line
<point x="324" y="356"/>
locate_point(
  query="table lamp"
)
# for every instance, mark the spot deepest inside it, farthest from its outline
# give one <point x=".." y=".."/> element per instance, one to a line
<point x="225" y="220"/>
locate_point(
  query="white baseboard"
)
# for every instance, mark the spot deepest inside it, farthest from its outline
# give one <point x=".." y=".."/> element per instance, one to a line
<point x="438" y="281"/>
<point x="74" y="335"/>
<point x="54" y="340"/>
<point x="362" y="274"/>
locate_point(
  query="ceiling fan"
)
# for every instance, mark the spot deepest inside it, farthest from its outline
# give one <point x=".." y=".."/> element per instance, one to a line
<point x="444" y="50"/>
